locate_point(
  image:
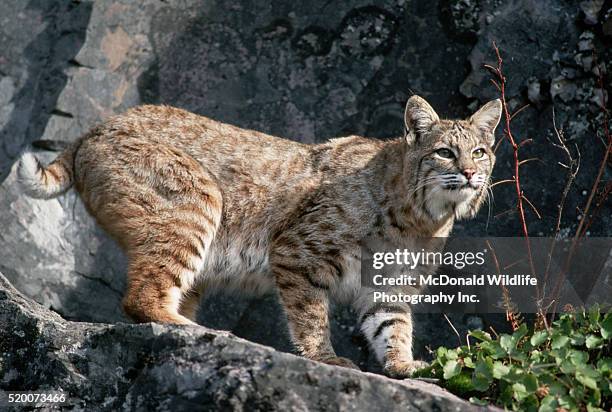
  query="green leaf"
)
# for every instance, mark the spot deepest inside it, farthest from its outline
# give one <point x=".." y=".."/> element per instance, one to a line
<point x="515" y="375"/>
<point x="519" y="391"/>
<point x="559" y="355"/>
<point x="537" y="356"/>
<point x="481" y="335"/>
<point x="577" y="357"/>
<point x="505" y="396"/>
<point x="555" y="388"/>
<point x="477" y="401"/>
<point x="520" y="332"/>
<point x="606" y="326"/>
<point x="567" y="367"/>
<point x="507" y="342"/>
<point x="451" y="368"/>
<point x="530" y="404"/>
<point x="593" y="342"/>
<point x="604" y="365"/>
<point x="577" y="339"/>
<point x="577" y="392"/>
<point x="548" y="404"/>
<point x="452" y="354"/>
<point x="530" y="382"/>
<point x="593" y="408"/>
<point x="594" y="314"/>
<point x="587" y="381"/>
<point x="494" y="349"/>
<point x="539" y="338"/>
<point x="589" y="370"/>
<point x="483" y="374"/>
<point x="441" y="354"/>
<point x="520" y="356"/>
<point x="568" y="401"/>
<point x="595" y="397"/>
<point x="500" y="370"/>
<point x="560" y="341"/>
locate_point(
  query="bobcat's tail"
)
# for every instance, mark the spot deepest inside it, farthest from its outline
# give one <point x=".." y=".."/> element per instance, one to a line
<point x="47" y="182"/>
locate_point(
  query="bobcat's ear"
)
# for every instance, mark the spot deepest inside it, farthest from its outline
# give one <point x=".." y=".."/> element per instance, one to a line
<point x="487" y="118"/>
<point x="419" y="116"/>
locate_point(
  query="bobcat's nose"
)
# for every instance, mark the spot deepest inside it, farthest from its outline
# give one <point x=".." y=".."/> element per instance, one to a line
<point x="468" y="173"/>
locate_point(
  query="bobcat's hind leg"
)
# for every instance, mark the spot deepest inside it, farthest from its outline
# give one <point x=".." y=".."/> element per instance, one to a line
<point x="153" y="295"/>
<point x="164" y="267"/>
<point x="164" y="208"/>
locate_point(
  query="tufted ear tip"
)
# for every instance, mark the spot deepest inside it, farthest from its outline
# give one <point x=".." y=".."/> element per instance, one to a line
<point x="419" y="116"/>
<point x="487" y="118"/>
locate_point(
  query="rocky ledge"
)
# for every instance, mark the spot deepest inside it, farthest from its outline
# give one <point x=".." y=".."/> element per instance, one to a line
<point x="159" y="367"/>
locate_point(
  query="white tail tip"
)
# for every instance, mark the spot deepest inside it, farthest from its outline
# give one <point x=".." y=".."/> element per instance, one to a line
<point x="31" y="176"/>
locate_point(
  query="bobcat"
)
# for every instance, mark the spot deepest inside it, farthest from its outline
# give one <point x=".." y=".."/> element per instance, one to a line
<point x="197" y="205"/>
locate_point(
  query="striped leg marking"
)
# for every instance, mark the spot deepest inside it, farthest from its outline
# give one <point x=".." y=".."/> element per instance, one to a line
<point x="388" y="329"/>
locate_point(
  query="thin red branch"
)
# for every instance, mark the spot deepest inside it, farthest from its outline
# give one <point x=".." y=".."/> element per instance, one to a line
<point x="512" y="315"/>
<point x="520" y="197"/>
<point x="519" y="110"/>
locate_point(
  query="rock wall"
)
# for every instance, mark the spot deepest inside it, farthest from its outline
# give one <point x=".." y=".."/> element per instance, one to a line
<point x="304" y="70"/>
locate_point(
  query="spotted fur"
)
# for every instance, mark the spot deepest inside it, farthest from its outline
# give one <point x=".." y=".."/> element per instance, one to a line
<point x="199" y="205"/>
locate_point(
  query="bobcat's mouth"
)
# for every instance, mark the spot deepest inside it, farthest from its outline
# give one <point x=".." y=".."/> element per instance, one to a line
<point x="463" y="186"/>
<point x="458" y="193"/>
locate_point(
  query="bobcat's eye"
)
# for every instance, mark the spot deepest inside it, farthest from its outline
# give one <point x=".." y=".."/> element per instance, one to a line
<point x="445" y="153"/>
<point x="478" y="153"/>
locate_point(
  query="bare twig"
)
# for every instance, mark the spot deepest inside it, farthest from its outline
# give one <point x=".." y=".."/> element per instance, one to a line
<point x="535" y="210"/>
<point x="598" y="204"/>
<point x="531" y="159"/>
<point x="602" y="166"/>
<point x="587" y="218"/>
<point x="501" y="182"/>
<point x="454" y="329"/>
<point x="505" y="212"/>
<point x="520" y="197"/>
<point x="573" y="168"/>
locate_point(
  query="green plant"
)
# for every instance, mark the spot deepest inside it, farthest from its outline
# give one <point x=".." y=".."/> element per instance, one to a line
<point x="567" y="367"/>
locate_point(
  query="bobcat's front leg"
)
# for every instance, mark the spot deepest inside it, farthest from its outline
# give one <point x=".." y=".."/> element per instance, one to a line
<point x="306" y="305"/>
<point x="388" y="328"/>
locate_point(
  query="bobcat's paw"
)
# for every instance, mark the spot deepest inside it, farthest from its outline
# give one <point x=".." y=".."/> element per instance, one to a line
<point x="340" y="361"/>
<point x="403" y="369"/>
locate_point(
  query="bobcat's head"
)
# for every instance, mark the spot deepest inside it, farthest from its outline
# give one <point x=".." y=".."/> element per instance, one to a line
<point x="453" y="158"/>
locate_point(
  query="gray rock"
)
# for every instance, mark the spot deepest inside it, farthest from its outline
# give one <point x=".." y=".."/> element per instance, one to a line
<point x="591" y="10"/>
<point x="151" y="367"/>
<point x="564" y="88"/>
